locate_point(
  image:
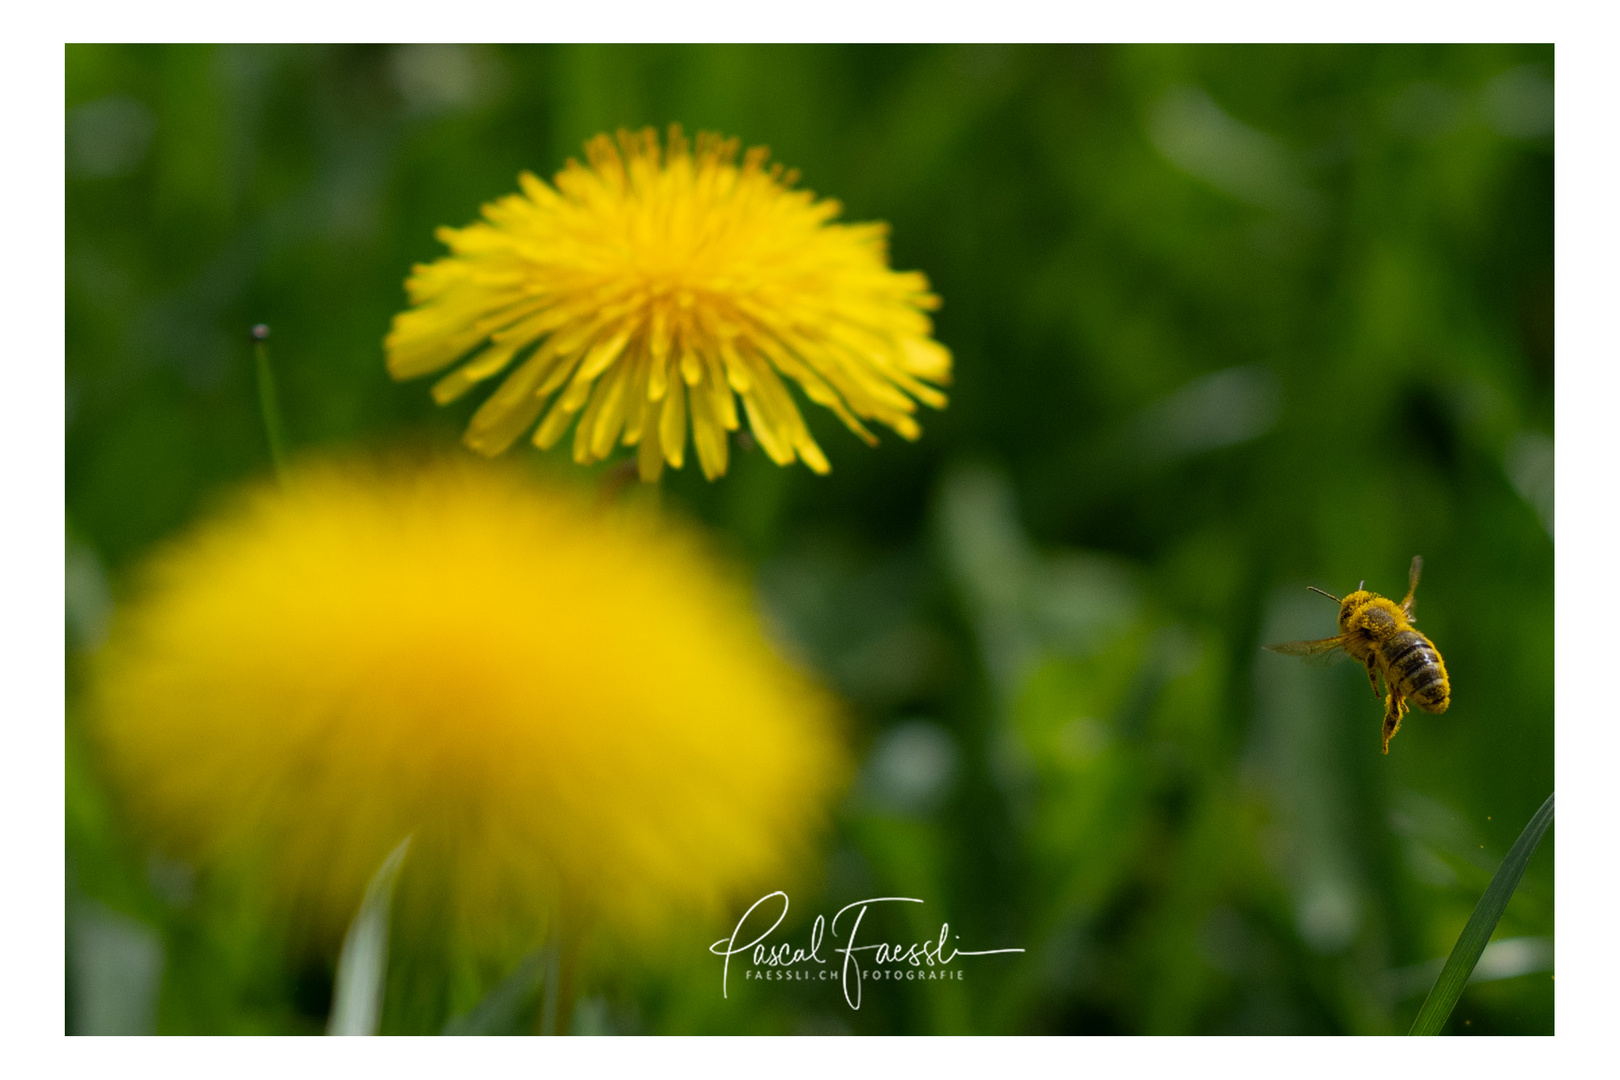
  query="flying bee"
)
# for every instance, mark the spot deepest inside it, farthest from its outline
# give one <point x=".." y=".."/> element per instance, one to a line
<point x="1379" y="633"/>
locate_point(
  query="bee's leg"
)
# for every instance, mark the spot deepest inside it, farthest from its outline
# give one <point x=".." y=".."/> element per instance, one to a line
<point x="1394" y="708"/>
<point x="1372" y="674"/>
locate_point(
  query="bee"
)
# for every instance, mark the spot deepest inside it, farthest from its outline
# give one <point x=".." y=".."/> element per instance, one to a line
<point x="1379" y="633"/>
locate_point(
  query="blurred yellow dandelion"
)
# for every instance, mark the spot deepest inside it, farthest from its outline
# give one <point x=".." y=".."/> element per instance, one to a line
<point x="655" y="286"/>
<point x="568" y="709"/>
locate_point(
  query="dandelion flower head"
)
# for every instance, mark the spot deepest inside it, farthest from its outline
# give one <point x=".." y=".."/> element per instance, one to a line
<point x="650" y="289"/>
<point x="568" y="709"/>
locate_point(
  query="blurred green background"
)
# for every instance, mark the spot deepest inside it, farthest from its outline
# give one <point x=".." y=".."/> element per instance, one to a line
<point x="1227" y="322"/>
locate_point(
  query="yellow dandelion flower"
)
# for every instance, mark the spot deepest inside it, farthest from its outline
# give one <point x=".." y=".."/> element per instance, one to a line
<point x="570" y="710"/>
<point x="649" y="290"/>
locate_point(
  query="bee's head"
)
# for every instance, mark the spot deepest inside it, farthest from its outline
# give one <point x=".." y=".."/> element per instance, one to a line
<point x="1348" y="605"/>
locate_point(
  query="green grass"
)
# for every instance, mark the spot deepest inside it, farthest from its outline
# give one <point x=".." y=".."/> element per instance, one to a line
<point x="1431" y="1018"/>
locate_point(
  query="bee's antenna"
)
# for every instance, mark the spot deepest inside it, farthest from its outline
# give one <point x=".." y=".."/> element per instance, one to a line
<point x="1329" y="595"/>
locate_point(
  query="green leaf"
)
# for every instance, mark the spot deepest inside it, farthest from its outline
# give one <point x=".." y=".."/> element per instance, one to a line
<point x="1481" y="924"/>
<point x="363" y="964"/>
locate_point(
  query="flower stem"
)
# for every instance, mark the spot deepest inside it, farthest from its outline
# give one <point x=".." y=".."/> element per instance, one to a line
<point x="269" y="406"/>
<point x="1431" y="1018"/>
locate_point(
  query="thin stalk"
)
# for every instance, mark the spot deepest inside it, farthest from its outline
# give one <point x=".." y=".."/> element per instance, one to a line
<point x="269" y="405"/>
<point x="1431" y="1018"/>
<point x="557" y="1001"/>
<point x="567" y="967"/>
<point x="548" y="998"/>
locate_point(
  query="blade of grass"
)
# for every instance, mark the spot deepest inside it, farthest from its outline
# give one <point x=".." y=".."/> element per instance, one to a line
<point x="502" y="1010"/>
<point x="269" y="405"/>
<point x="1431" y="1018"/>
<point x="362" y="968"/>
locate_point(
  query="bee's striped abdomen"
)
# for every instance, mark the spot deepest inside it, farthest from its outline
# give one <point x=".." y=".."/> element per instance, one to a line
<point x="1414" y="666"/>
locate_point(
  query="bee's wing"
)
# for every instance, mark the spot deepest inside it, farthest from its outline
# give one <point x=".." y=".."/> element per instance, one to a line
<point x="1409" y="605"/>
<point x="1323" y="651"/>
